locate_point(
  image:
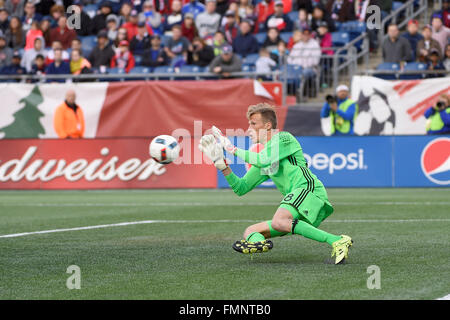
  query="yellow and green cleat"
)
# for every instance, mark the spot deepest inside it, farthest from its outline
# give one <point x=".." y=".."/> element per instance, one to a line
<point x="243" y="246"/>
<point x="340" y="249"/>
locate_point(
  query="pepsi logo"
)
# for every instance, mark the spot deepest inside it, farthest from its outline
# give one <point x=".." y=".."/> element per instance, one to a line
<point x="435" y="161"/>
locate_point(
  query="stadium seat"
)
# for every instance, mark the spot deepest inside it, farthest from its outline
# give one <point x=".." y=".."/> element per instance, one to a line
<point x="396" y="5"/>
<point x="141" y="70"/>
<point x="247" y="67"/>
<point x="352" y="26"/>
<point x="191" y="69"/>
<point x="285" y="36"/>
<point x="137" y="60"/>
<point x="250" y="59"/>
<point x="117" y="71"/>
<point x="340" y="39"/>
<point x="88" y="43"/>
<point x="293" y="15"/>
<point x="164" y="70"/>
<point x="91" y="9"/>
<point x="260" y="37"/>
<point x="293" y="77"/>
<point x="387" y="66"/>
<point x="413" y="66"/>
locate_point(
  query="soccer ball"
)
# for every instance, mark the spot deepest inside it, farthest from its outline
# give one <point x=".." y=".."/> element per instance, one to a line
<point x="164" y="149"/>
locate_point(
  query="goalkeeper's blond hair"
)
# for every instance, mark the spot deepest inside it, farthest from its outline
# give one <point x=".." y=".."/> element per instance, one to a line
<point x="267" y="112"/>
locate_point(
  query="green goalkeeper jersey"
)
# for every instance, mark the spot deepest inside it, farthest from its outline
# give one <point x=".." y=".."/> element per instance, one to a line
<point x="282" y="161"/>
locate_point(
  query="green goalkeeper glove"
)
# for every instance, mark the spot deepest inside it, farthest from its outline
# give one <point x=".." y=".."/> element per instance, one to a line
<point x="212" y="150"/>
<point x="223" y="140"/>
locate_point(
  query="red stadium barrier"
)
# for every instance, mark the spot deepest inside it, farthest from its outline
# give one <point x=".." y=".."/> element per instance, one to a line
<point x="94" y="164"/>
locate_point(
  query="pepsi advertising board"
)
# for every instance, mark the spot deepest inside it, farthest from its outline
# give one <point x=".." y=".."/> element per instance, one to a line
<point x="400" y="161"/>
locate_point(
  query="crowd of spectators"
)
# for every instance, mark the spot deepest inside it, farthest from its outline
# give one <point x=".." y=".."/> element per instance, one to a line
<point x="36" y="37"/>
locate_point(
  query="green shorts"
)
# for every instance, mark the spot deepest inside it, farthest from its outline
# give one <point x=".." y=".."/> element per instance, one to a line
<point x="306" y="206"/>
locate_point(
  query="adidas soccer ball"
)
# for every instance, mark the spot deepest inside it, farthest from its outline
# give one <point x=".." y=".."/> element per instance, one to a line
<point x="164" y="149"/>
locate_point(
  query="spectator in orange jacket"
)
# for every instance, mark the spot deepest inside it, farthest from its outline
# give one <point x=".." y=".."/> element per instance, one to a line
<point x="69" y="119"/>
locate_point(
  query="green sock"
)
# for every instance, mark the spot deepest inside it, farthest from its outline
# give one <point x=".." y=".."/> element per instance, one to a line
<point x="255" y="237"/>
<point x="310" y="232"/>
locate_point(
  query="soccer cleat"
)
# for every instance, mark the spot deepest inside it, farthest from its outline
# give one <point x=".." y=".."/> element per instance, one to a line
<point x="243" y="246"/>
<point x="340" y="249"/>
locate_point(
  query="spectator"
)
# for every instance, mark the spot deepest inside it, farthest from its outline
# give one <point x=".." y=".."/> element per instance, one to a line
<point x="99" y="21"/>
<point x="435" y="64"/>
<point x="124" y="13"/>
<point x="112" y="25"/>
<point x="56" y="45"/>
<point x="155" y="56"/>
<point x="280" y="54"/>
<point x="62" y="33"/>
<point x="201" y="54"/>
<point x="58" y="66"/>
<point x="222" y="7"/>
<point x="122" y="34"/>
<point x="86" y="25"/>
<point x="33" y="33"/>
<point x="141" y="41"/>
<point x="306" y="53"/>
<point x="320" y="14"/>
<point x="218" y="42"/>
<point x="242" y="8"/>
<point x="303" y="20"/>
<point x="15" y="36"/>
<point x="413" y="37"/>
<point x="447" y="58"/>
<point x="272" y="39"/>
<point x="361" y="9"/>
<point x="264" y="64"/>
<point x="132" y="25"/>
<point x="4" y="20"/>
<point x="68" y="120"/>
<point x="56" y="11"/>
<point x="151" y="17"/>
<point x="195" y="7"/>
<point x="341" y="10"/>
<point x="226" y="63"/>
<point x="296" y="37"/>
<point x="438" y="116"/>
<point x="208" y="22"/>
<point x="396" y="49"/>
<point x="177" y="47"/>
<point x="444" y="13"/>
<point x="79" y="64"/>
<point x="230" y="29"/>
<point x="76" y="45"/>
<point x="342" y="112"/>
<point x="38" y="66"/>
<point x="188" y="28"/>
<point x="325" y="39"/>
<point x="14" y="68"/>
<point x="15" y="7"/>
<point x="6" y="52"/>
<point x="440" y="33"/>
<point x="176" y="17"/>
<point x="45" y="27"/>
<point x="30" y="55"/>
<point x="279" y="19"/>
<point x="123" y="58"/>
<point x="251" y="15"/>
<point x="30" y="16"/>
<point x="426" y="44"/>
<point x="245" y="43"/>
<point x="102" y="54"/>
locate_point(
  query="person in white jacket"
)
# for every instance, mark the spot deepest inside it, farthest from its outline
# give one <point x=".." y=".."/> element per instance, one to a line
<point x="306" y="53"/>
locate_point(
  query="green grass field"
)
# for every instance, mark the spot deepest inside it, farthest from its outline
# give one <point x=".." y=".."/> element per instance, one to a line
<point x="185" y="253"/>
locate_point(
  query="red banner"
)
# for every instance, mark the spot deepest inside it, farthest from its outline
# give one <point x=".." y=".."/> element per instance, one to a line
<point x="95" y="164"/>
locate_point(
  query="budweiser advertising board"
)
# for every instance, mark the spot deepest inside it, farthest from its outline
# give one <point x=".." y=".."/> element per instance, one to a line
<point x="94" y="164"/>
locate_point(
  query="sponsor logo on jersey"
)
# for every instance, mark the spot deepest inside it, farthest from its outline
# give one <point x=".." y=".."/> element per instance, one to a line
<point x="435" y="161"/>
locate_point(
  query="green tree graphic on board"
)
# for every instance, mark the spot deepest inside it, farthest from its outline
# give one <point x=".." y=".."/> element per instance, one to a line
<point x="26" y="120"/>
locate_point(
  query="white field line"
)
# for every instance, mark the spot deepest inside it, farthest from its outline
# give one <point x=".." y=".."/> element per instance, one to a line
<point x="206" y="204"/>
<point x="447" y="297"/>
<point x="122" y="224"/>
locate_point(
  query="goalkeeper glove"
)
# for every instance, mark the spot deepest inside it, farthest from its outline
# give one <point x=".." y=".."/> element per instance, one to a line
<point x="223" y="140"/>
<point x="213" y="151"/>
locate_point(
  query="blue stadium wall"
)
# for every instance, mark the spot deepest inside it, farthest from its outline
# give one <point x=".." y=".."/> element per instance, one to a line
<point x="386" y="161"/>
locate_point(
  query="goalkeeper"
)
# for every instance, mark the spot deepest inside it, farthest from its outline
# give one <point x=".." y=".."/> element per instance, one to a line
<point x="305" y="204"/>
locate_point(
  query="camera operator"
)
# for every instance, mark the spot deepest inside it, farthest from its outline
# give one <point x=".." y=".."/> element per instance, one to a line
<point x="341" y="110"/>
<point x="438" y="116"/>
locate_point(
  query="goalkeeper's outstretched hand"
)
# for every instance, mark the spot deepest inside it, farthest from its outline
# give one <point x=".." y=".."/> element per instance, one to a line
<point x="212" y="150"/>
<point x="223" y="140"/>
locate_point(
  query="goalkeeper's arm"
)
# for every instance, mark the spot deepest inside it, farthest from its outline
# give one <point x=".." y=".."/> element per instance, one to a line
<point x="248" y="182"/>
